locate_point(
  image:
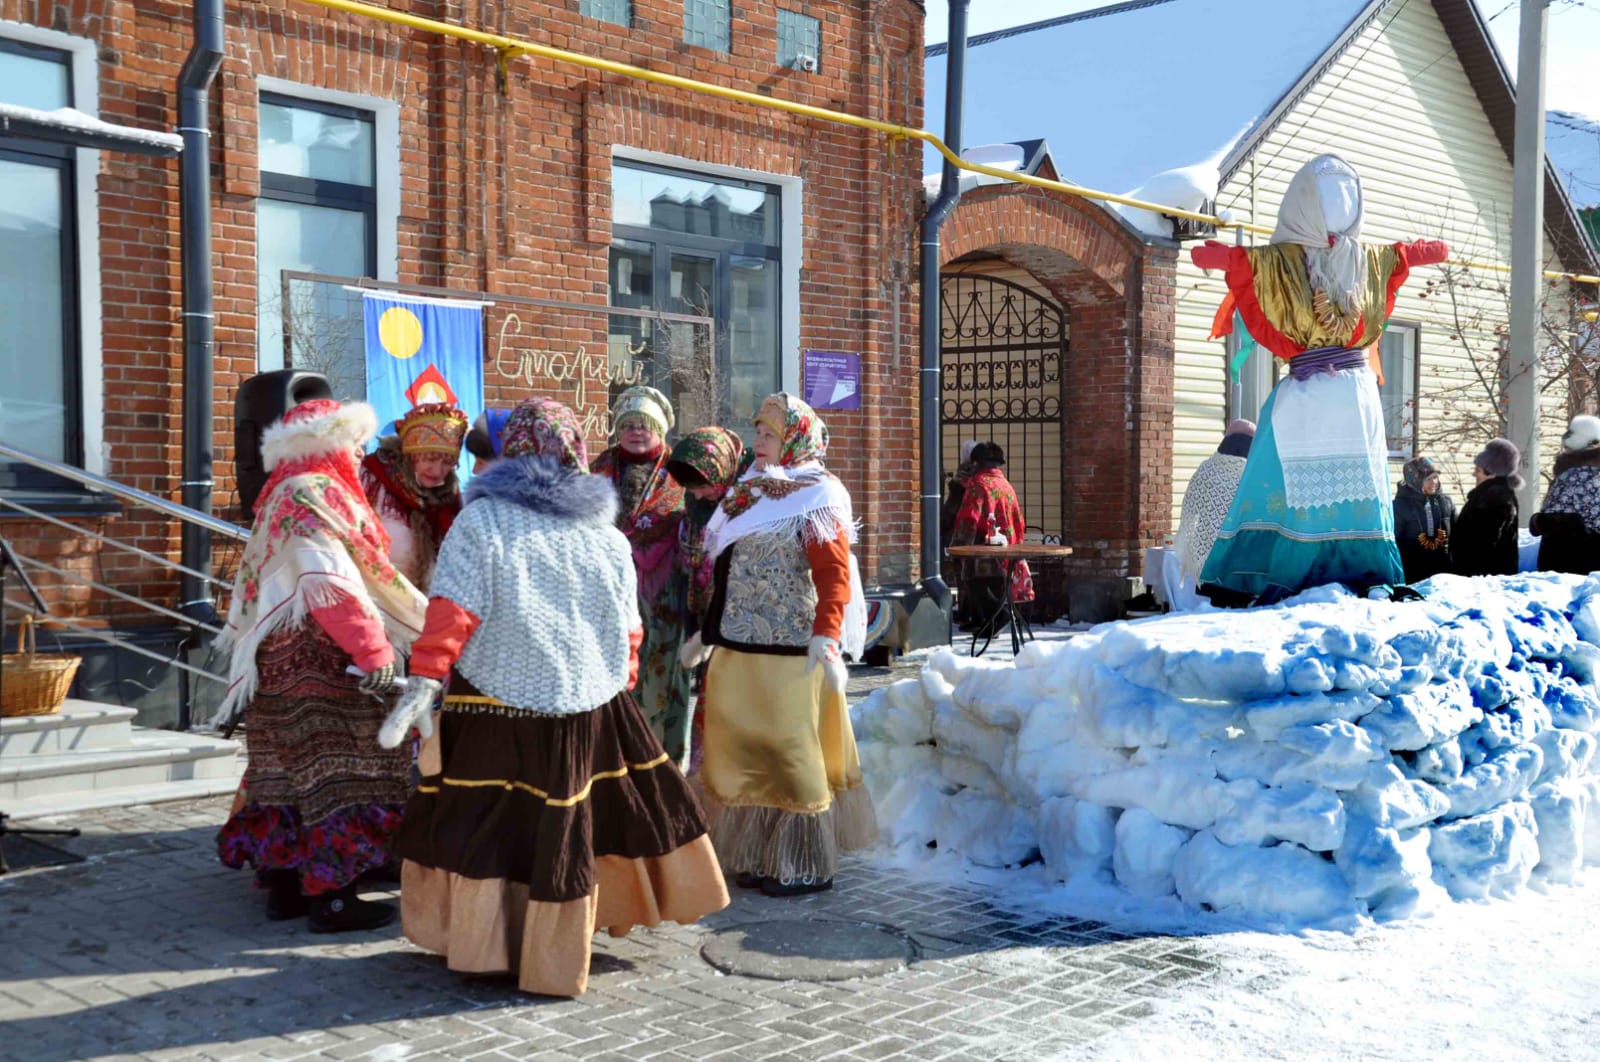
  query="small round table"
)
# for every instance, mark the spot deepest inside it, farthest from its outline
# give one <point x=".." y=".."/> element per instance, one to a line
<point x="1007" y="557"/>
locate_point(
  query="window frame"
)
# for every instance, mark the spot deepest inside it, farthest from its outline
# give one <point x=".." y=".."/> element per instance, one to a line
<point x="334" y="195"/>
<point x="1415" y="328"/>
<point x="664" y="243"/>
<point x="1268" y="374"/>
<point x="18" y="478"/>
<point x="609" y="22"/>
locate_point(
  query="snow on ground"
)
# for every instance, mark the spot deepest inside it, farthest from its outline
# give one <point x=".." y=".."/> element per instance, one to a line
<point x="1319" y="764"/>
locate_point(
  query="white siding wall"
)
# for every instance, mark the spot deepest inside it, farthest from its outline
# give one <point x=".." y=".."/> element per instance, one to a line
<point x="1397" y="105"/>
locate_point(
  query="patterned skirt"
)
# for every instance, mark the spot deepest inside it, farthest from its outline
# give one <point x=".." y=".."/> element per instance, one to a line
<point x="320" y="796"/>
<point x="1268" y="549"/>
<point x="530" y="832"/>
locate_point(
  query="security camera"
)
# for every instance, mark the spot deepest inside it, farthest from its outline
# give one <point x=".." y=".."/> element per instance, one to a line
<point x="808" y="63"/>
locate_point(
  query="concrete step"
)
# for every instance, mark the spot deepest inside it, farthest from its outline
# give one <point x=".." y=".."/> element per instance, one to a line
<point x="78" y="725"/>
<point x="55" y="805"/>
<point x="151" y="758"/>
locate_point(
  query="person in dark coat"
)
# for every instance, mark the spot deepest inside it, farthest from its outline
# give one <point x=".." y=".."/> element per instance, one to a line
<point x="1568" y="525"/>
<point x="1424" y="517"/>
<point x="1485" y="540"/>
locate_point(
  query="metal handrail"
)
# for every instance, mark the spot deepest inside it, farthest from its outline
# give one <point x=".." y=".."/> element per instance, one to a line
<point x="81" y="580"/>
<point x="94" y="635"/>
<point x="102" y="485"/>
<point x="107" y="540"/>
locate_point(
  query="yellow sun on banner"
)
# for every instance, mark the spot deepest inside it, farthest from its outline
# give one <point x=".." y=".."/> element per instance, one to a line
<point x="400" y="332"/>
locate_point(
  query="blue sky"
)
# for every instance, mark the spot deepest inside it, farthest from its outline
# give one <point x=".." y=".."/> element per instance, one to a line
<point x="1571" y="83"/>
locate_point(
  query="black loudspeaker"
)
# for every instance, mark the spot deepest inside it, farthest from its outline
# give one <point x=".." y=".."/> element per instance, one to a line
<point x="262" y="399"/>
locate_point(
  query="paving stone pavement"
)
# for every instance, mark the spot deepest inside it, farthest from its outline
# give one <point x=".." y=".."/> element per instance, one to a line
<point x="151" y="949"/>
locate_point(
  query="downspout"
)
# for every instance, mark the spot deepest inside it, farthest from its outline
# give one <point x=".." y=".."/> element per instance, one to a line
<point x="930" y="398"/>
<point x="199" y="316"/>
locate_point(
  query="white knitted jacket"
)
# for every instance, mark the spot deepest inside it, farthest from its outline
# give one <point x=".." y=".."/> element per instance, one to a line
<point x="536" y="557"/>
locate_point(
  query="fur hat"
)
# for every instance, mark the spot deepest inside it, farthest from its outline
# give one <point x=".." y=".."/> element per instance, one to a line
<point x="646" y="402"/>
<point x="1501" y="458"/>
<point x="320" y="426"/>
<point x="1582" y="434"/>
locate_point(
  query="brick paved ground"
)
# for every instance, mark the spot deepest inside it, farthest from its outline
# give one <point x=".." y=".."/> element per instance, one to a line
<point x="151" y="949"/>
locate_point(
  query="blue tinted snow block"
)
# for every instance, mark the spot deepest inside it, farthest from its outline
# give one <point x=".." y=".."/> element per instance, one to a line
<point x="1506" y="775"/>
<point x="1388" y="798"/>
<point x="1284" y="884"/>
<point x="1558" y="810"/>
<point x="1389" y="869"/>
<point x="1487" y="855"/>
<point x="1567" y="754"/>
<point x="1411" y="721"/>
<point x="1304" y="814"/>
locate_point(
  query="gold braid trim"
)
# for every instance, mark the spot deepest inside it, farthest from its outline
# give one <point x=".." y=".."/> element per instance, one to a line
<point x="555" y="802"/>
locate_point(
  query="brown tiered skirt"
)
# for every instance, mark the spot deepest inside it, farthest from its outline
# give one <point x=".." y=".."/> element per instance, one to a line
<point x="528" y="833"/>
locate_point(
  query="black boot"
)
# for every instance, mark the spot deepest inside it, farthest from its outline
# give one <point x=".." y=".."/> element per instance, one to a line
<point x="776" y="888"/>
<point x="748" y="880"/>
<point x="342" y="912"/>
<point x="284" y="899"/>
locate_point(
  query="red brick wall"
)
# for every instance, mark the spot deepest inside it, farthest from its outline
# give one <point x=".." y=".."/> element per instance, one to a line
<point x="510" y="193"/>
<point x="1116" y="428"/>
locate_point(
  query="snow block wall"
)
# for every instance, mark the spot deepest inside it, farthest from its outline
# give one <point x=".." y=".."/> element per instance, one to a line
<point x="1327" y="758"/>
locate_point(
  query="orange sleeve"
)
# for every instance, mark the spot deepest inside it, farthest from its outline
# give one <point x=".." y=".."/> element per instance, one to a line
<point x="444" y="635"/>
<point x="1423" y="252"/>
<point x="356" y="631"/>
<point x="830" y="571"/>
<point x="635" y="642"/>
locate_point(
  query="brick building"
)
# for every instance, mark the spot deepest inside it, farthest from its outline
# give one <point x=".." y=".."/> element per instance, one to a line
<point x="350" y="147"/>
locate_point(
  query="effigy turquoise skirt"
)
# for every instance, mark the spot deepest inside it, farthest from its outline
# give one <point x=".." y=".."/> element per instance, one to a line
<point x="1268" y="549"/>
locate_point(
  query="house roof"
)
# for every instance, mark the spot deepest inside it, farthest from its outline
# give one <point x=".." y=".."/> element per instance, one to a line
<point x="1573" y="144"/>
<point x="1146" y="77"/>
<point x="1135" y="89"/>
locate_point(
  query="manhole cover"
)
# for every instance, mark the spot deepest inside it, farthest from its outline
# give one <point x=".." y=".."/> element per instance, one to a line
<point x="805" y="950"/>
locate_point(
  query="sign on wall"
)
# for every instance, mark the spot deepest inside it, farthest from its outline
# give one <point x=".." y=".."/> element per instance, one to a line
<point x="832" y="380"/>
<point x="421" y="351"/>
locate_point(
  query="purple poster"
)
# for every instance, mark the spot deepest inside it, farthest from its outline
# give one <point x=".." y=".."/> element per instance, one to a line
<point x="832" y="380"/>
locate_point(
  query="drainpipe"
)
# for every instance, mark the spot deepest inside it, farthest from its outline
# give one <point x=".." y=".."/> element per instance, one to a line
<point x="930" y="398"/>
<point x="199" y="318"/>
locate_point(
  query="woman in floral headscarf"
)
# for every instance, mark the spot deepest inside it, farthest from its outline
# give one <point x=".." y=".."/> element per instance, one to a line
<point x="780" y="757"/>
<point x="707" y="462"/>
<point x="547" y="808"/>
<point x="651" y="510"/>
<point x="316" y="594"/>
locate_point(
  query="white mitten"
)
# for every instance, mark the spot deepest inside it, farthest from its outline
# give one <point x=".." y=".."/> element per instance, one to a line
<point x="694" y="652"/>
<point x="825" y="651"/>
<point x="415" y="709"/>
<point x="998" y="539"/>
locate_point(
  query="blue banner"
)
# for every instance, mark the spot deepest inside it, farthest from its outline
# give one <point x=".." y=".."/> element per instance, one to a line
<point x="424" y="350"/>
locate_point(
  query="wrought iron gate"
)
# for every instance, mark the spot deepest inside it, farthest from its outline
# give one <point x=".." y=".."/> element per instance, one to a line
<point x="1002" y="348"/>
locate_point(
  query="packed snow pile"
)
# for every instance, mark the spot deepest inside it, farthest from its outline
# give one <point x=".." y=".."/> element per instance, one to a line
<point x="1328" y="758"/>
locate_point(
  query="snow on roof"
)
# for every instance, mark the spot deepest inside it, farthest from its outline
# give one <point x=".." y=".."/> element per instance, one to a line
<point x="1137" y="89"/>
<point x="1572" y="143"/>
<point x="69" y="120"/>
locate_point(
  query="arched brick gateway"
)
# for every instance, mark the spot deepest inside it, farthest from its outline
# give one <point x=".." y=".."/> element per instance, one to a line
<point x="1118" y="290"/>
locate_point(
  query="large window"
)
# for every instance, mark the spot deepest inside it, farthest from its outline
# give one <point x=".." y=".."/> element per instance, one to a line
<point x="701" y="246"/>
<point x="617" y="12"/>
<point x="40" y="391"/>
<point x="1398" y="353"/>
<point x="317" y="214"/>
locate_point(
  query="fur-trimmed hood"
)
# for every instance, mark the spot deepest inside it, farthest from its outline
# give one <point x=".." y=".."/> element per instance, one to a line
<point x="543" y="485"/>
<point x="1585" y="458"/>
<point x="341" y="429"/>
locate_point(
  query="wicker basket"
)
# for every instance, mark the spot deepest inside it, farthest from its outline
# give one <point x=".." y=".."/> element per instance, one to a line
<point x="34" y="683"/>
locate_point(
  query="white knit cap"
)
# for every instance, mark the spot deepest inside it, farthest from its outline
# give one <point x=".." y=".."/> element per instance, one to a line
<point x="646" y="402"/>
